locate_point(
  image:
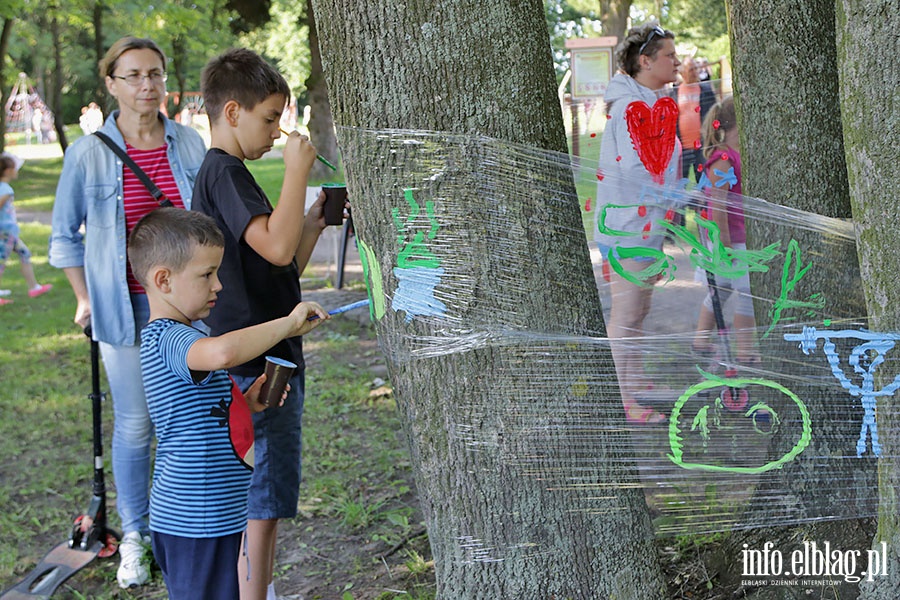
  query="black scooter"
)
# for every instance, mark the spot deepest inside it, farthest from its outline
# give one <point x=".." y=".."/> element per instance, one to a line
<point x="91" y="536"/>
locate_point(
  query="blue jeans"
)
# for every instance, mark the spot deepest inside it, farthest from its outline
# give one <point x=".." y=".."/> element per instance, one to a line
<point x="275" y="485"/>
<point x="132" y="429"/>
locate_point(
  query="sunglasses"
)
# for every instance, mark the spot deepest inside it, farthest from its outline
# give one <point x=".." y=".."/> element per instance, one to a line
<point x="655" y="32"/>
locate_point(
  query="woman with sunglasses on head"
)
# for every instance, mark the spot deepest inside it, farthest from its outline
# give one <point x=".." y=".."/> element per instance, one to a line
<point x="104" y="196"/>
<point x="631" y="167"/>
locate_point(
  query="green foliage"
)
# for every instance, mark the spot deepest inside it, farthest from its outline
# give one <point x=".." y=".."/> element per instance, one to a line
<point x="282" y="40"/>
<point x="700" y="26"/>
<point x="569" y="19"/>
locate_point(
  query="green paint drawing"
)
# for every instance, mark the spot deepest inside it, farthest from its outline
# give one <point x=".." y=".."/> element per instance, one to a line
<point x="414" y="253"/>
<point x="791" y="274"/>
<point x="717" y="258"/>
<point x="701" y="423"/>
<point x="418" y="271"/>
<point x="663" y="265"/>
<point x="374" y="285"/>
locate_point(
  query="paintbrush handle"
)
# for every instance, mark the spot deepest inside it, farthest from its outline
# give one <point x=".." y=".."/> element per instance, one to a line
<point x="342" y="309"/>
<point x="319" y="156"/>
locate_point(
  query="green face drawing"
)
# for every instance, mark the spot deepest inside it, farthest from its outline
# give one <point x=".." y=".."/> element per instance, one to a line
<point x="705" y="435"/>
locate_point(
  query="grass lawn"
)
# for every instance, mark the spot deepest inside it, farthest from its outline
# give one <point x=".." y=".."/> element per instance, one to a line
<point x="359" y="532"/>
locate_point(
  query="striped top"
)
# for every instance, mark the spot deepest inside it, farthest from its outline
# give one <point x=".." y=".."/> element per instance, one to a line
<point x="204" y="436"/>
<point x="138" y="200"/>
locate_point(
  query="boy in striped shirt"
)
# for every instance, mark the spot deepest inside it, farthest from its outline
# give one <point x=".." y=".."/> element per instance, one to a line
<point x="204" y="455"/>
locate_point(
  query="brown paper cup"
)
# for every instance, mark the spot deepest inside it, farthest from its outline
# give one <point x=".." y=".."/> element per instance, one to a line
<point x="335" y="197"/>
<point x="278" y="372"/>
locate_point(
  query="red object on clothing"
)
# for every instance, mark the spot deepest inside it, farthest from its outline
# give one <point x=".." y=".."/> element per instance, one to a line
<point x="138" y="201"/>
<point x="653" y="133"/>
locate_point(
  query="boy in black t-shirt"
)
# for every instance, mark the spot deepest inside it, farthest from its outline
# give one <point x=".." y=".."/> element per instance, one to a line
<point x="266" y="249"/>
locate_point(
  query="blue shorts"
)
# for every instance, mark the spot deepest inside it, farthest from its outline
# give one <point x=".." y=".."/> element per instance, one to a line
<point x="275" y="484"/>
<point x="198" y="567"/>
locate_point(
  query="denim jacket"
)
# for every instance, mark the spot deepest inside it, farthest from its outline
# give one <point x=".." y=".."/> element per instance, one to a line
<point x="89" y="193"/>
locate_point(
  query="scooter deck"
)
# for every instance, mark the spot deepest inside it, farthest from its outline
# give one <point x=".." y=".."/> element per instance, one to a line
<point x="58" y="565"/>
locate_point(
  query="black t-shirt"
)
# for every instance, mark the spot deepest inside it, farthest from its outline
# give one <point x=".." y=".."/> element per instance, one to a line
<point x="254" y="290"/>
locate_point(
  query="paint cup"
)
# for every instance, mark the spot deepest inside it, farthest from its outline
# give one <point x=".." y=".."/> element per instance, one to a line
<point x="278" y="372"/>
<point x="335" y="197"/>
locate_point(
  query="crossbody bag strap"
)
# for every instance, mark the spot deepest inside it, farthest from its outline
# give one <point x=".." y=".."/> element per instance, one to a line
<point x="154" y="190"/>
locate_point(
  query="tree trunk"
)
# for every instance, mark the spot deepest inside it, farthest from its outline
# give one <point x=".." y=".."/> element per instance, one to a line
<point x="614" y="16"/>
<point x="786" y="92"/>
<point x="4" y="46"/>
<point x="57" y="82"/>
<point x="868" y="103"/>
<point x="179" y="56"/>
<point x="321" y="124"/>
<point x="516" y="504"/>
<point x="99" y="51"/>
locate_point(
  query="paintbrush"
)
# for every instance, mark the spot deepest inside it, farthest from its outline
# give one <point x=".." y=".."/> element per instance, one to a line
<point x="342" y="309"/>
<point x="319" y="156"/>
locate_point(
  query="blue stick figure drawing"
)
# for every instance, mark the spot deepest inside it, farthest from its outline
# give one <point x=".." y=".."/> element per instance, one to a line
<point x="864" y="359"/>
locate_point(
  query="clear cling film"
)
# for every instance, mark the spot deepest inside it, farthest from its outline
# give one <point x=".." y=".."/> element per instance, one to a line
<point x="721" y="370"/>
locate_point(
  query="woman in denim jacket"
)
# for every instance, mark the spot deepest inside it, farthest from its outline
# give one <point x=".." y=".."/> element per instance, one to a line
<point x="98" y="192"/>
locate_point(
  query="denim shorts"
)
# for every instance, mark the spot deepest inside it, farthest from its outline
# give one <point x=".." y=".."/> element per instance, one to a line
<point x="275" y="484"/>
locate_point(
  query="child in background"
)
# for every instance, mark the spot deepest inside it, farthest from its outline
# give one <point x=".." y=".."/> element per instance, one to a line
<point x="204" y="454"/>
<point x="722" y="182"/>
<point x="9" y="230"/>
<point x="266" y="249"/>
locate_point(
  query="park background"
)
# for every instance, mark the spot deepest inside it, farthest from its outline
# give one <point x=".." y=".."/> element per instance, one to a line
<point x="57" y="45"/>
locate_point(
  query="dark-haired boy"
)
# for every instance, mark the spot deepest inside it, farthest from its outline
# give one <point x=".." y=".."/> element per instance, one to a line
<point x="266" y="249"/>
<point x="198" y="503"/>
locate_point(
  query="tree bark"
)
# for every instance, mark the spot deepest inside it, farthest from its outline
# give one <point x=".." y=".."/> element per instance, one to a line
<point x="4" y="46"/>
<point x="321" y="124"/>
<point x="493" y="426"/>
<point x="56" y="92"/>
<point x="868" y="102"/>
<point x="786" y="93"/>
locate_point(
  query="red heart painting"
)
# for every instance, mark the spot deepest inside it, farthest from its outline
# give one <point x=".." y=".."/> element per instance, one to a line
<point x="653" y="133"/>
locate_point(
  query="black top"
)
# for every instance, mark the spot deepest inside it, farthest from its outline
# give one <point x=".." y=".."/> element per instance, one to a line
<point x="254" y="290"/>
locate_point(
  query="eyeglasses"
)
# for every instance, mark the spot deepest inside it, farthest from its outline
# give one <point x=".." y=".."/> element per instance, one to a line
<point x="136" y="79"/>
<point x="655" y="32"/>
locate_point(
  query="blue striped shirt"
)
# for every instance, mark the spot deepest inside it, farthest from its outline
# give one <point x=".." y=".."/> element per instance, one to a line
<point x="204" y="429"/>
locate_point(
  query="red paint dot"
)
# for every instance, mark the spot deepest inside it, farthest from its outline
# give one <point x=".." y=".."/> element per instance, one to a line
<point x="697" y="144"/>
<point x="724" y="156"/>
<point x="716" y="124"/>
<point x="587" y="205"/>
<point x="608" y="117"/>
<point x="696" y="109"/>
<point x="593" y="135"/>
<point x="642" y="211"/>
<point x="704" y="214"/>
<point x="670" y="215"/>
<point x="599" y="175"/>
<point x="646" y="230"/>
<point x="618" y="158"/>
<point x="699" y="168"/>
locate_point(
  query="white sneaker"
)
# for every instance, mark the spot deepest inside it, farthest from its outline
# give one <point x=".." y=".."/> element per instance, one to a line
<point x="5" y="292"/>
<point x="133" y="569"/>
